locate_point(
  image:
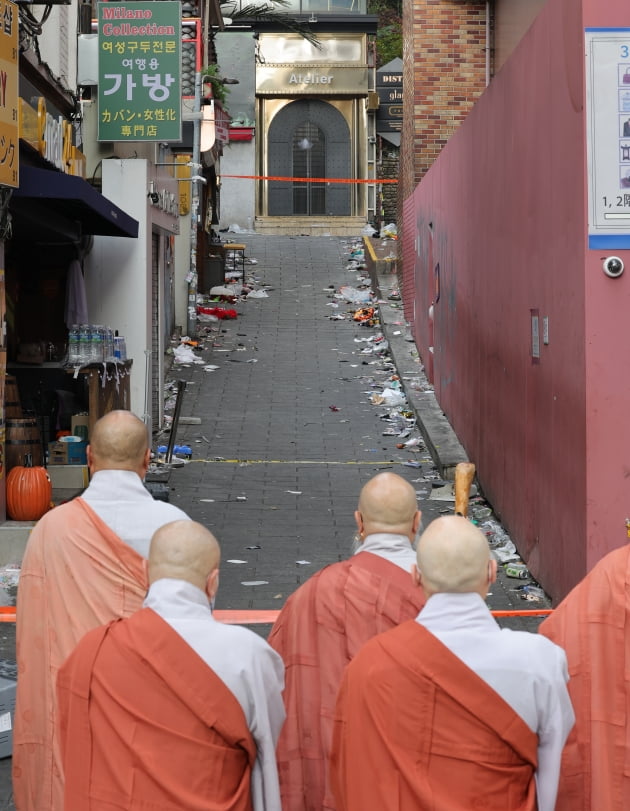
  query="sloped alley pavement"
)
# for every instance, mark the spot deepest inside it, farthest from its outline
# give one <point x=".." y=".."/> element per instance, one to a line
<point x="293" y="398"/>
<point x="289" y="409"/>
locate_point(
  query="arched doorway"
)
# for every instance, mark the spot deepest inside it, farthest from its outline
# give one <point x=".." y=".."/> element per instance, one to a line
<point x="308" y="139"/>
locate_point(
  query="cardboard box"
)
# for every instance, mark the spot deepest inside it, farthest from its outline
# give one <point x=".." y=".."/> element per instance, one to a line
<point x="67" y="453"/>
<point x="79" y="424"/>
<point x="69" y="477"/>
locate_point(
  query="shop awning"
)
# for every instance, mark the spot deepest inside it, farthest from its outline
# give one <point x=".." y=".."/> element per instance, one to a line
<point x="71" y="198"/>
<point x="392" y="137"/>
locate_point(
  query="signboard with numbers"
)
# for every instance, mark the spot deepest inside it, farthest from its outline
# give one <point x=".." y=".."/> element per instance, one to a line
<point x="608" y="136"/>
<point x="9" y="124"/>
<point x="139" y="71"/>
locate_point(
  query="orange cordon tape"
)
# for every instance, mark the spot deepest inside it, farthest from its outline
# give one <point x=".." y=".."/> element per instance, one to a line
<point x="245" y="617"/>
<point x="316" y="179"/>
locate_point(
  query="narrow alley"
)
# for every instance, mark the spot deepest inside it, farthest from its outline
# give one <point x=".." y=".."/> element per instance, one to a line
<point x="287" y="414"/>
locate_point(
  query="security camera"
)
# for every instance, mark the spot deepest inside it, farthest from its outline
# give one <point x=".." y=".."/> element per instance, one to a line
<point x="613" y="267"/>
<point x="154" y="197"/>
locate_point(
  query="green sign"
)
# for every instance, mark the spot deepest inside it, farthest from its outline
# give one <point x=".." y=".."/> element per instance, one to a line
<point x="139" y="71"/>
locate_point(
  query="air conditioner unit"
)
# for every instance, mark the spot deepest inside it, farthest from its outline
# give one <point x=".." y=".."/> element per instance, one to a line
<point x="87" y="60"/>
<point x="372" y="102"/>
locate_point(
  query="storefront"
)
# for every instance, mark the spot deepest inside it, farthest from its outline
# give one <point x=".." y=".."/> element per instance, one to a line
<point x="52" y="219"/>
<point x="312" y="107"/>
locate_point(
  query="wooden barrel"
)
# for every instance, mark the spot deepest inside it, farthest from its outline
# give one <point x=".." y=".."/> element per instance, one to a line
<point x="12" y="405"/>
<point x="22" y="437"/>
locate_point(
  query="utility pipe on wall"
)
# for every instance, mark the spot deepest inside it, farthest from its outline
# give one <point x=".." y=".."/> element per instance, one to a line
<point x="488" y="42"/>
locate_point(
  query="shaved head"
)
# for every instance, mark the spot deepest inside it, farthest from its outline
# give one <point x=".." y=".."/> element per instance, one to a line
<point x="387" y="504"/>
<point x="453" y="556"/>
<point x="183" y="550"/>
<point x="119" y="441"/>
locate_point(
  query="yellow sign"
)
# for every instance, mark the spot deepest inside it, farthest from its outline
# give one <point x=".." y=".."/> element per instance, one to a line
<point x="51" y="137"/>
<point x="183" y="171"/>
<point x="9" y="135"/>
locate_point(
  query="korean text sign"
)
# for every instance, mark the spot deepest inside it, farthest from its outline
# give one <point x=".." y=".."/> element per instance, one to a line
<point x="139" y="71"/>
<point x="9" y="134"/>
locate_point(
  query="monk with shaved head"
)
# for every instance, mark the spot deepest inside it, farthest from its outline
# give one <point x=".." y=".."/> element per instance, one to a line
<point x="449" y="711"/>
<point x="84" y="565"/>
<point x="325" y="622"/>
<point x="169" y="708"/>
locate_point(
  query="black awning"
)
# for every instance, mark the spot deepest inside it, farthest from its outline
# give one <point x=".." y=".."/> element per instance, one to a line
<point x="392" y="137"/>
<point x="70" y="198"/>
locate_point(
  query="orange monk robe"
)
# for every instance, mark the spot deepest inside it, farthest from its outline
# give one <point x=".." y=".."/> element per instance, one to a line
<point x="321" y="627"/>
<point x="146" y="725"/>
<point x="592" y="624"/>
<point x="417" y="730"/>
<point x="76" y="575"/>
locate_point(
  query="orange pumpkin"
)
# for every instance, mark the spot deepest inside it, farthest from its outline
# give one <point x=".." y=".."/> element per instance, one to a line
<point x="29" y="491"/>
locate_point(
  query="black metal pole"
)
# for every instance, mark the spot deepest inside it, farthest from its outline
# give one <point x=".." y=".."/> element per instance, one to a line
<point x="181" y="388"/>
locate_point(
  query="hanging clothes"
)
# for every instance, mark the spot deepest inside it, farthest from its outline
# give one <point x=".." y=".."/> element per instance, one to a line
<point x="76" y="311"/>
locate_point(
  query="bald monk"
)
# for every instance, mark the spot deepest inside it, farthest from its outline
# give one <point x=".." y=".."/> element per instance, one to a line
<point x="448" y="711"/>
<point x="84" y="564"/>
<point x="592" y="625"/>
<point x="170" y="709"/>
<point x="327" y="620"/>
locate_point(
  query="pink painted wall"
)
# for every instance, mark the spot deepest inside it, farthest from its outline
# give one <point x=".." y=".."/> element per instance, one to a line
<point x="504" y="211"/>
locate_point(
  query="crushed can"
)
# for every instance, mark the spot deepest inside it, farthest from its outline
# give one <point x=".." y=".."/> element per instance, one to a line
<point x="517" y="570"/>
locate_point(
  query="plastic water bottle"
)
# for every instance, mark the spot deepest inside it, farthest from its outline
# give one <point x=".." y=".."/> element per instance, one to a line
<point x="120" y="353"/>
<point x="84" y="344"/>
<point x="74" y="358"/>
<point x="96" y="344"/>
<point x="109" y="343"/>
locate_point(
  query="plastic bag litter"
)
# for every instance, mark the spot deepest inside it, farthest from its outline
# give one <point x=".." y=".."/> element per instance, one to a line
<point x="388" y="397"/>
<point x="368" y="231"/>
<point x="257" y="294"/>
<point x="184" y="354"/>
<point x="354" y="295"/>
<point x="219" y="312"/>
<point x="499" y="541"/>
<point x="235" y="228"/>
<point x="389" y="230"/>
<point x="222" y="290"/>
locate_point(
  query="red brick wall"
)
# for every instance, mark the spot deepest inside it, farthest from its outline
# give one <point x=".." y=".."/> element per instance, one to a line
<point x="444" y="73"/>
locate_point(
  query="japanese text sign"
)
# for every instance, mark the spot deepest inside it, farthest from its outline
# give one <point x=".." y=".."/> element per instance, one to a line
<point x="9" y="123"/>
<point x="139" y="71"/>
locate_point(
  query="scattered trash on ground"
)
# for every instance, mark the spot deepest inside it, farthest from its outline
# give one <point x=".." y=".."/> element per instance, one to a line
<point x="218" y="312"/>
<point x="518" y="571"/>
<point x="185" y="354"/>
<point x="10" y="575"/>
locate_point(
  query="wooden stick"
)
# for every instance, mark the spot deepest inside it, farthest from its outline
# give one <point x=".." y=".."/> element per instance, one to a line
<point x="464" y="475"/>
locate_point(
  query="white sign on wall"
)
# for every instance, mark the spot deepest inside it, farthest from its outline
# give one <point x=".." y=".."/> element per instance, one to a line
<point x="608" y="136"/>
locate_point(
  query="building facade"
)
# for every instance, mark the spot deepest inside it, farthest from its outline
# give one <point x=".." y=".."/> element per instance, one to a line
<point x="310" y="166"/>
<point x="513" y="243"/>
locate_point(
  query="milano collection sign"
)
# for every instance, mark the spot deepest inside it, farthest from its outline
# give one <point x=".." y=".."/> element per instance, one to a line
<point x="139" y="71"/>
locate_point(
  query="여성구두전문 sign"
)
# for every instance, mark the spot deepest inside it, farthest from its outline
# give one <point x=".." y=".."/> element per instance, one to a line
<point x="139" y="71"/>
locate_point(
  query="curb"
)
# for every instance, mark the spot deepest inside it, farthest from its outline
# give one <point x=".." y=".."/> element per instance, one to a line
<point x="441" y="440"/>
